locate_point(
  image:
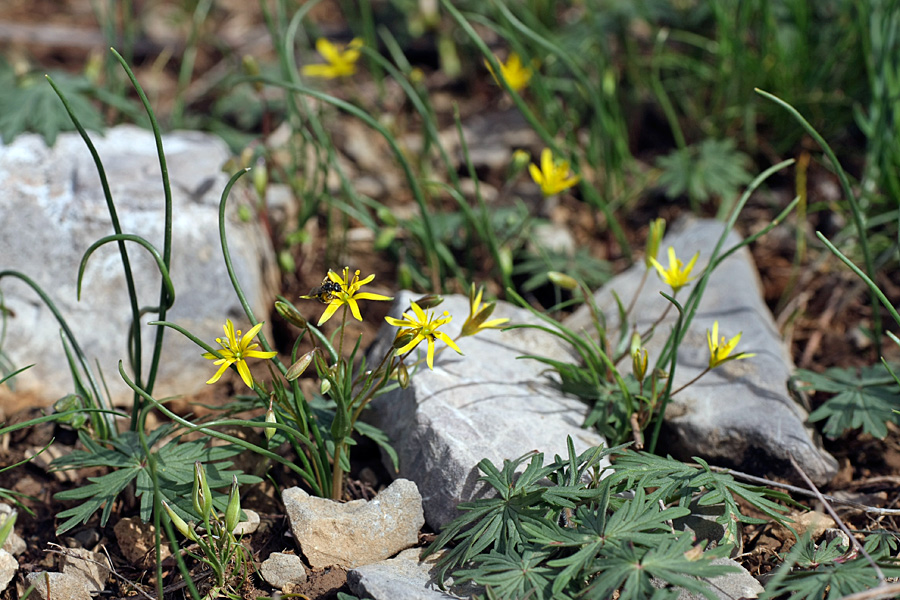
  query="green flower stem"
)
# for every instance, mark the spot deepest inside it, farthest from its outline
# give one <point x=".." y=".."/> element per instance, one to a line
<point x="693" y="301"/>
<point x="432" y="245"/>
<point x="207" y="429"/>
<point x="692" y="381"/>
<point x="855" y="209"/>
<point x="158" y="511"/>
<point x="637" y="292"/>
<point x="135" y="345"/>
<point x="103" y="425"/>
<point x="127" y="237"/>
<point x="167" y="227"/>
<point x="873" y="287"/>
<point x="677" y="332"/>
<point x="223" y="239"/>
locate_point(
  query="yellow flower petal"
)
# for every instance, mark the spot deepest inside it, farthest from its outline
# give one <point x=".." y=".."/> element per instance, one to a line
<point x="329" y="311"/>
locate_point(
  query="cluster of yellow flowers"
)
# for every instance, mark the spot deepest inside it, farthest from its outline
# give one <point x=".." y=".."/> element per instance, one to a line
<point x="344" y="290"/>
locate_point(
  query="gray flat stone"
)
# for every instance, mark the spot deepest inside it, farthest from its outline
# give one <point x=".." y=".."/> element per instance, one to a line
<point x="485" y="404"/>
<point x="731" y="585"/>
<point x="403" y="577"/>
<point x="741" y="413"/>
<point x="54" y="209"/>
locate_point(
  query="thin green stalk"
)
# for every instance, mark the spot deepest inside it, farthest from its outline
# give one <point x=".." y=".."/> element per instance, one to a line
<point x="693" y="301"/>
<point x="128" y="237"/>
<point x="134" y="346"/>
<point x="677" y="333"/>
<point x="206" y="428"/>
<point x="188" y="58"/>
<point x="106" y="426"/>
<point x="856" y="211"/>
<point x="166" y="523"/>
<point x="167" y="223"/>
<point x="873" y="287"/>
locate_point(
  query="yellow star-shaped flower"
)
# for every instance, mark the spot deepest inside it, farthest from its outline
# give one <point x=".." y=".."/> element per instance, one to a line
<point x="677" y="275"/>
<point x="340" y="60"/>
<point x="478" y="316"/>
<point x="235" y="350"/>
<point x="423" y="326"/>
<point x="720" y="350"/>
<point x="553" y="176"/>
<point x="513" y="72"/>
<point x="348" y="294"/>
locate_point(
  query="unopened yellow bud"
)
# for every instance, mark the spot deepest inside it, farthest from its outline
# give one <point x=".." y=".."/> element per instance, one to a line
<point x="325" y="387"/>
<point x="654" y="239"/>
<point x="201" y="496"/>
<point x="404" y="337"/>
<point x="290" y="314"/>
<point x="270" y="418"/>
<point x="520" y="160"/>
<point x="402" y="376"/>
<point x="260" y="177"/>
<point x="233" y="509"/>
<point x="251" y="68"/>
<point x="297" y="369"/>
<point x="429" y="301"/>
<point x="566" y="282"/>
<point x="182" y="527"/>
<point x="639" y="361"/>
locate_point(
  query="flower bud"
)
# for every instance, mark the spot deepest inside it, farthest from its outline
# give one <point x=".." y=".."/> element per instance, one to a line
<point x="566" y="282"/>
<point x="325" y="387"/>
<point x="639" y="361"/>
<point x="270" y="418"/>
<point x="179" y="523"/>
<point x="404" y="337"/>
<point x="654" y="239"/>
<point x="6" y="526"/>
<point x="297" y="369"/>
<point x="290" y="314"/>
<point x="260" y="176"/>
<point x="251" y="68"/>
<point x="233" y="510"/>
<point x="520" y="160"/>
<point x="402" y="374"/>
<point x="429" y="301"/>
<point x="505" y="259"/>
<point x="201" y="496"/>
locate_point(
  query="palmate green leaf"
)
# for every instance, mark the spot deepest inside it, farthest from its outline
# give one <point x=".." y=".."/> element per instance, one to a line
<point x="865" y="398"/>
<point x="677" y="481"/>
<point x="635" y="522"/>
<point x="496" y="523"/>
<point x="711" y="168"/>
<point x="513" y="575"/>
<point x="831" y="578"/>
<point x="631" y="568"/>
<point x="175" y="470"/>
<point x="28" y="103"/>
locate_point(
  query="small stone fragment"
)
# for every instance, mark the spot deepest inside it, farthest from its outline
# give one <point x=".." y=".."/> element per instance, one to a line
<point x="358" y="532"/>
<point x="93" y="567"/>
<point x="137" y="541"/>
<point x="14" y="544"/>
<point x="8" y="567"/>
<point x="58" y="586"/>
<point x="250" y="525"/>
<point x="281" y="569"/>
